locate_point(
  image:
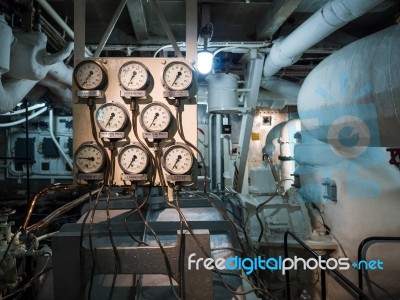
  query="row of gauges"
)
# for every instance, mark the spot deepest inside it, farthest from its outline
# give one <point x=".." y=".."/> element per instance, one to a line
<point x="177" y="159"/>
<point x="113" y="117"/>
<point x="133" y="75"/>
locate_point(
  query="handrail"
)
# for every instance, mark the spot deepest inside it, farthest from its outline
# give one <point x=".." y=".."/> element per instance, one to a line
<point x="338" y="275"/>
<point x="384" y="239"/>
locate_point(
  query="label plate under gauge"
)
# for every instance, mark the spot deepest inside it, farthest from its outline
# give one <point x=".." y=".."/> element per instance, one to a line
<point x="134" y="177"/>
<point x="155" y="135"/>
<point x="90" y="94"/>
<point x="133" y="94"/>
<point x="179" y="177"/>
<point x="176" y="94"/>
<point x="90" y="176"/>
<point x="112" y="135"/>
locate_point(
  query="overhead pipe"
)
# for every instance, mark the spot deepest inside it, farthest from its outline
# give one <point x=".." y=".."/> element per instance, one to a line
<point x="28" y="65"/>
<point x="56" y="17"/>
<point x="332" y="16"/>
<point x="351" y="100"/>
<point x="280" y="93"/>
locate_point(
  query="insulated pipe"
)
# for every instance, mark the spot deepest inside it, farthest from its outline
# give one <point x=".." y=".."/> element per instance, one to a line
<point x="351" y="100"/>
<point x="332" y="16"/>
<point x="210" y="150"/>
<point x="6" y="39"/>
<point x="281" y="86"/>
<point x="56" y="17"/>
<point x="51" y="129"/>
<point x="218" y="150"/>
<point x="20" y="121"/>
<point x="22" y="111"/>
<point x="287" y="140"/>
<point x="12" y="91"/>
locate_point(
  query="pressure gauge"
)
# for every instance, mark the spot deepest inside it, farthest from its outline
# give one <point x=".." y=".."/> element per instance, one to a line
<point x="133" y="76"/>
<point x="89" y="158"/>
<point x="177" y="159"/>
<point x="155" y="117"/>
<point x="111" y="117"/>
<point x="90" y="75"/>
<point x="177" y="76"/>
<point x="133" y="159"/>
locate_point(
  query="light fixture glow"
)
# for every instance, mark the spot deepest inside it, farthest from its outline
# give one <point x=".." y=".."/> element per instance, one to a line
<point x="205" y="61"/>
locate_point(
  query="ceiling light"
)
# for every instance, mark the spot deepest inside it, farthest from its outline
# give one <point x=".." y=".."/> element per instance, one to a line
<point x="205" y="61"/>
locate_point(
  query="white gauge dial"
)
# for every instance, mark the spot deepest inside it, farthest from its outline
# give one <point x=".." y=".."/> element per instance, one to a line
<point x="178" y="159"/>
<point x="133" y="159"/>
<point x="111" y="117"/>
<point x="155" y="117"/>
<point x="133" y="76"/>
<point x="89" y="158"/>
<point x="177" y="76"/>
<point x="90" y="75"/>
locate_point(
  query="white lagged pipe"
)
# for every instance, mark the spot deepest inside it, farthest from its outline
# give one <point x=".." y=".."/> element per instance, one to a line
<point x="20" y="121"/>
<point x="12" y="91"/>
<point x="332" y="16"/>
<point x="51" y="129"/>
<point x="6" y="39"/>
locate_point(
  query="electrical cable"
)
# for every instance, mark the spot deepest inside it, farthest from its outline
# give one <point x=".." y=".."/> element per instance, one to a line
<point x="223" y="213"/>
<point x="92" y="108"/>
<point x="91" y="242"/>
<point x="117" y="259"/>
<point x="164" y="253"/>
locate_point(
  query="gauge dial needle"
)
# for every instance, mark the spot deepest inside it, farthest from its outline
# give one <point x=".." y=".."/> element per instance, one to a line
<point x="109" y="120"/>
<point x="87" y="78"/>
<point x="133" y="76"/>
<point x="88" y="158"/>
<point x="155" y="117"/>
<point x="133" y="159"/>
<point x="179" y="74"/>
<point x="177" y="160"/>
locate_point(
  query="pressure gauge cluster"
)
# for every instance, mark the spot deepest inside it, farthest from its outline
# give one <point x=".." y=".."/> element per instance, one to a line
<point x="112" y="117"/>
<point x="133" y="159"/>
<point x="90" y="75"/>
<point x="89" y="158"/>
<point x="178" y="159"/>
<point x="155" y="117"/>
<point x="177" y="76"/>
<point x="133" y="76"/>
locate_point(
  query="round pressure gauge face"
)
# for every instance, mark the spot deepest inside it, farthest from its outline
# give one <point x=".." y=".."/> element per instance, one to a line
<point x="178" y="159"/>
<point x="155" y="117"/>
<point x="89" y="158"/>
<point x="177" y="76"/>
<point x="90" y="75"/>
<point x="133" y="159"/>
<point x="111" y="117"/>
<point x="133" y="76"/>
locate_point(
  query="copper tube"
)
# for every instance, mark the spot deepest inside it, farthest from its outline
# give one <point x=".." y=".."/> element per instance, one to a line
<point x="32" y="204"/>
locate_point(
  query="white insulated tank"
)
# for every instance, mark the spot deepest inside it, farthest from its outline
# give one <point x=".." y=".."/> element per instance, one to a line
<point x="352" y="98"/>
<point x="222" y="93"/>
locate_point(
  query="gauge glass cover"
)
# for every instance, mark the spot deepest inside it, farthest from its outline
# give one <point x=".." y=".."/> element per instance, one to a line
<point x="155" y="117"/>
<point x="89" y="158"/>
<point x="178" y="159"/>
<point x="111" y="117"/>
<point x="133" y="76"/>
<point x="133" y="159"/>
<point x="177" y="76"/>
<point x="90" y="75"/>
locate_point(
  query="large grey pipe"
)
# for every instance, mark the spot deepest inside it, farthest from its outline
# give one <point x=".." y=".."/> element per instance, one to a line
<point x="332" y="16"/>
